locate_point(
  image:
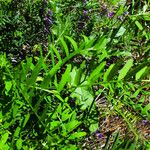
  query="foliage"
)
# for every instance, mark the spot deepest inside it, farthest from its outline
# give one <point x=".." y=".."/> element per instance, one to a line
<point x="52" y="97"/>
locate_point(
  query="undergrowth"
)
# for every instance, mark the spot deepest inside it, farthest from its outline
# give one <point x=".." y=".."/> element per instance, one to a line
<point x="73" y="70"/>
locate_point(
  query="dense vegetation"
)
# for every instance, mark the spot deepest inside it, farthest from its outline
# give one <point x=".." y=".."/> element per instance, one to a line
<point x="75" y="74"/>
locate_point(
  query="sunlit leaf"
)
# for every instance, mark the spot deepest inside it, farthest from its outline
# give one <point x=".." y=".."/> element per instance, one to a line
<point x="93" y="127"/>
<point x="125" y="69"/>
<point x="140" y="73"/>
<point x="65" y="46"/>
<point x="19" y="143"/>
<point x="64" y="79"/>
<point x="77" y="135"/>
<point x="106" y="74"/>
<point x="74" y="44"/>
<point x="96" y="73"/>
<point x="4" y="139"/>
<point x="70" y="126"/>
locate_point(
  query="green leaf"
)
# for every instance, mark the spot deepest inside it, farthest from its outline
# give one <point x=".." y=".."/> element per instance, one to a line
<point x="93" y="127"/>
<point x="114" y="70"/>
<point x="74" y="44"/>
<point x="65" y="78"/>
<point x="77" y="135"/>
<point x="70" y="126"/>
<point x="69" y="147"/>
<point x="125" y="69"/>
<point x="15" y="110"/>
<point x="56" y="52"/>
<point x="140" y="73"/>
<point x="4" y="139"/>
<point x="139" y="25"/>
<point x="101" y="44"/>
<point x="52" y="72"/>
<point x="65" y="46"/>
<point x="96" y="73"/>
<point x="65" y="115"/>
<point x="83" y="97"/>
<point x="17" y="132"/>
<point x="146" y="109"/>
<point x="79" y="73"/>
<point x="120" y="32"/>
<point x="8" y="85"/>
<point x="19" y="143"/>
<point x="107" y="73"/>
<point x="35" y="72"/>
<point x="133" y="72"/>
<point x="26" y="120"/>
<point x="3" y="60"/>
<point x="54" y="125"/>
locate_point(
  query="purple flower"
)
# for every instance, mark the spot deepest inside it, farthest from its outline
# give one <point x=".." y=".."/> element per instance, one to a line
<point x="48" y="21"/>
<point x="84" y="1"/>
<point x="145" y="122"/>
<point x="50" y="12"/>
<point x="99" y="135"/>
<point x="85" y="12"/>
<point x="110" y="14"/>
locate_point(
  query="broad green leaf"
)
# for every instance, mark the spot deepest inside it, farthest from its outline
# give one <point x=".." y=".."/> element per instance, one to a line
<point x="146" y="110"/>
<point x="17" y="132"/>
<point x="15" y="110"/>
<point x="114" y="70"/>
<point x="70" y="126"/>
<point x="96" y="73"/>
<point x="3" y="60"/>
<point x="139" y="25"/>
<point x="102" y="56"/>
<point x="70" y="147"/>
<point x="93" y="127"/>
<point x="65" y="78"/>
<point x="65" y="115"/>
<point x="74" y="44"/>
<point x="106" y="74"/>
<point x="77" y="135"/>
<point x="83" y="97"/>
<point x="125" y="69"/>
<point x="19" y="143"/>
<point x="8" y="85"/>
<point x="132" y="146"/>
<point x="54" y="125"/>
<point x="4" y="139"/>
<point x="78" y="76"/>
<point x="101" y="43"/>
<point x="140" y="73"/>
<point x="90" y="42"/>
<point x="120" y="32"/>
<point x="84" y="42"/>
<point x="146" y="16"/>
<point x="78" y="73"/>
